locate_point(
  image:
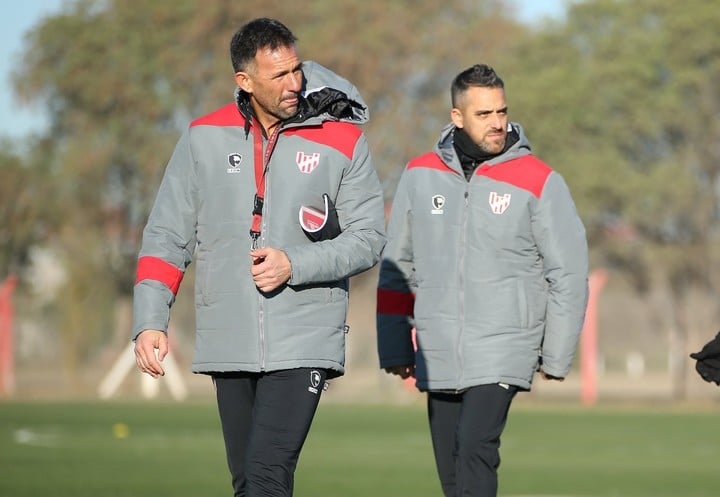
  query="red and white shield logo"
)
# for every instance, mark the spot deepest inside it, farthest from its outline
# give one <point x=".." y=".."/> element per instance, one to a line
<point x="307" y="162"/>
<point x="498" y="203"/>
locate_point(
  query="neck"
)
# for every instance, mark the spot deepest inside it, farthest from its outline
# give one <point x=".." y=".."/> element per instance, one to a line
<point x="269" y="123"/>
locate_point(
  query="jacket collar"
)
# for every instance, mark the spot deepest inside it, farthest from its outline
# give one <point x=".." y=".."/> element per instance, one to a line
<point x="325" y="96"/>
<point x="446" y="151"/>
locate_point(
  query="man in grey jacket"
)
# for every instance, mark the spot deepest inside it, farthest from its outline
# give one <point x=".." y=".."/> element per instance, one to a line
<point x="276" y="199"/>
<point x="487" y="261"/>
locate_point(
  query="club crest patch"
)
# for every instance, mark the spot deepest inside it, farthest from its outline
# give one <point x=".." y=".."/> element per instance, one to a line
<point x="499" y="203"/>
<point x="234" y="160"/>
<point x="307" y="162"/>
<point x="438" y="201"/>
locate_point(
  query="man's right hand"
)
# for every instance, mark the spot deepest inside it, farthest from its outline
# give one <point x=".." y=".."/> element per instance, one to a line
<point x="404" y="371"/>
<point x="146" y="343"/>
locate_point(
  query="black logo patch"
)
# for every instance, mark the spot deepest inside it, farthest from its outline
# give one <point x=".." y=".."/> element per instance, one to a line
<point x="235" y="160"/>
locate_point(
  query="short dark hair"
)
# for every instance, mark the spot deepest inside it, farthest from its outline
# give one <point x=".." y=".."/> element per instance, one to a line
<point x="480" y="75"/>
<point x="256" y="34"/>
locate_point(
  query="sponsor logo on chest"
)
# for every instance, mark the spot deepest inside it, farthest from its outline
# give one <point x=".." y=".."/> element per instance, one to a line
<point x="438" y="202"/>
<point x="234" y="160"/>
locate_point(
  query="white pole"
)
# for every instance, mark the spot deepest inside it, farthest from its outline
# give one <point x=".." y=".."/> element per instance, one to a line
<point x="149" y="387"/>
<point x="117" y="373"/>
<point x="173" y="378"/>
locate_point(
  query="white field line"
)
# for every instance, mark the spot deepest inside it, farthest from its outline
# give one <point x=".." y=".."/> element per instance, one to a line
<point x="27" y="436"/>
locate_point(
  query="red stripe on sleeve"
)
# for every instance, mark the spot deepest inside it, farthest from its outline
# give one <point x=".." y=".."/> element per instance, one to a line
<point x="154" y="268"/>
<point x="394" y="302"/>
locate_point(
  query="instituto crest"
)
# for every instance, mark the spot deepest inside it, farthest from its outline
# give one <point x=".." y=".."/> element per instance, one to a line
<point x="499" y="203"/>
<point x="307" y="162"/>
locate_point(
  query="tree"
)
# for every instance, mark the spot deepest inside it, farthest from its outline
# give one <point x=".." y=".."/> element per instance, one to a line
<point x="628" y="114"/>
<point x="25" y="213"/>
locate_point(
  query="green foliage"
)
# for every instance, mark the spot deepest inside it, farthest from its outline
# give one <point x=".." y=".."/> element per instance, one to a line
<point x="624" y="102"/>
<point x="27" y="209"/>
<point x="14" y="231"/>
<point x="113" y="449"/>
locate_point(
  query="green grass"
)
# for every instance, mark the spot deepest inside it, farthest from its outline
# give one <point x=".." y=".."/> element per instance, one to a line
<point x="71" y="450"/>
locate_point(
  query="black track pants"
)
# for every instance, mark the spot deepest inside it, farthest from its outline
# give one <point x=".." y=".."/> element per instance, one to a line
<point x="265" y="419"/>
<point x="466" y="431"/>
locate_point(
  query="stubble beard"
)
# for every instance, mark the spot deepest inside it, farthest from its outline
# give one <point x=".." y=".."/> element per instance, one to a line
<point x="277" y="111"/>
<point x="493" y="146"/>
<point x="285" y="113"/>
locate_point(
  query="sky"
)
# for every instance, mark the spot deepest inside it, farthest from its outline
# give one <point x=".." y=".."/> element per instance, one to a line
<point x="19" y="16"/>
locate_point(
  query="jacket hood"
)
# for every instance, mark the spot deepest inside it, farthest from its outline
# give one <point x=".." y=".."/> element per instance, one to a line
<point x="317" y="77"/>
<point x="325" y="95"/>
<point x="444" y="147"/>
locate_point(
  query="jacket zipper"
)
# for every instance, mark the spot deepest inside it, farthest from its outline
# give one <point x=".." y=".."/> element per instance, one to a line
<point x="269" y="147"/>
<point x="461" y="281"/>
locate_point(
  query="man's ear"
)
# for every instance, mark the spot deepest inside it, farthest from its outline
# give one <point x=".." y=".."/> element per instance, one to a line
<point x="242" y="79"/>
<point x="456" y="117"/>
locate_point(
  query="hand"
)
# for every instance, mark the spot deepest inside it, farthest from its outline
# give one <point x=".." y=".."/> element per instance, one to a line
<point x="145" y="345"/>
<point x="550" y="377"/>
<point x="405" y="371"/>
<point x="271" y="268"/>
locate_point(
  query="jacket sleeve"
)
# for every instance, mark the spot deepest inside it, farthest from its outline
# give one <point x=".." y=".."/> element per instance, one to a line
<point x="168" y="242"/>
<point x="360" y="209"/>
<point x="560" y="236"/>
<point x="396" y="294"/>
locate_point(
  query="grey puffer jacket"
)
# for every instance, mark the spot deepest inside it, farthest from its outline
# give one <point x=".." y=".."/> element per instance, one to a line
<point x="203" y="212"/>
<point x="491" y="272"/>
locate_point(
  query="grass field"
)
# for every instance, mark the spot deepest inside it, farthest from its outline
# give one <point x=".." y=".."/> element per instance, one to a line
<point x="174" y="450"/>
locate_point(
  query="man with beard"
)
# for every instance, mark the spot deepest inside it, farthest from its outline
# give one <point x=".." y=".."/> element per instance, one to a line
<point x="487" y="260"/>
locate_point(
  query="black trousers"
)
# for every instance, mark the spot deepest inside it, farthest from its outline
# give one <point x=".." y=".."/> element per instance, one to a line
<point x="466" y="431"/>
<point x="265" y="419"/>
